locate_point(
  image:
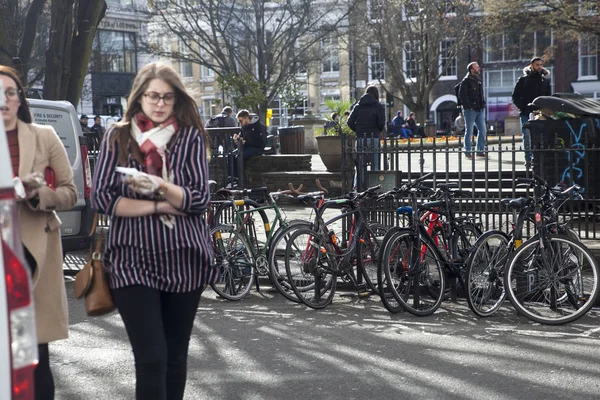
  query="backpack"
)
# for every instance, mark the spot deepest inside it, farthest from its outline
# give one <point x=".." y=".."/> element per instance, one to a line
<point x="457" y="93"/>
<point x="216" y="122"/>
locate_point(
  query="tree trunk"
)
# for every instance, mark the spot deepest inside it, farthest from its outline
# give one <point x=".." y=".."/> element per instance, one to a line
<point x="89" y="15"/>
<point x="7" y="50"/>
<point x="421" y="113"/>
<point x="58" y="49"/>
<point x="29" y="34"/>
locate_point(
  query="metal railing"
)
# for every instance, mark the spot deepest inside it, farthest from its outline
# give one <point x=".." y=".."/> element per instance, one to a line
<point x="490" y="178"/>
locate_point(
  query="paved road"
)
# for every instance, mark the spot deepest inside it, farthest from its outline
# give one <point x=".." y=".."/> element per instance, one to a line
<point x="267" y="348"/>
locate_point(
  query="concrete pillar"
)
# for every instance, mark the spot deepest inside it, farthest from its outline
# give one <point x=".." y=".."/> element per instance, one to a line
<point x="310" y="122"/>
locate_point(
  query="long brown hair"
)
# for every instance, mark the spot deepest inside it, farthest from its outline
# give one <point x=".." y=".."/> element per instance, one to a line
<point x="24" y="114"/>
<point x="185" y="110"/>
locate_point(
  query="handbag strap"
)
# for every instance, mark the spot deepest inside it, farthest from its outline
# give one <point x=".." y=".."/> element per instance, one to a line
<point x="96" y="251"/>
<point x="94" y="224"/>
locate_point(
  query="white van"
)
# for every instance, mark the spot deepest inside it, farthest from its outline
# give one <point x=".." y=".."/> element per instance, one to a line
<point x="61" y="115"/>
<point x="18" y="342"/>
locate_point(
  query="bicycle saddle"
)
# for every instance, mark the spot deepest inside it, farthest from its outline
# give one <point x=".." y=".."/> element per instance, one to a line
<point x="517" y="204"/>
<point x="306" y="199"/>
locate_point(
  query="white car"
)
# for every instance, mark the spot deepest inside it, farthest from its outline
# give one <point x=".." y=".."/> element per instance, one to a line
<point x="18" y="342"/>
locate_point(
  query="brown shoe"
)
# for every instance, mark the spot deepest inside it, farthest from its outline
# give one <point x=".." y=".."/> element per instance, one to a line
<point x="481" y="155"/>
<point x="469" y="156"/>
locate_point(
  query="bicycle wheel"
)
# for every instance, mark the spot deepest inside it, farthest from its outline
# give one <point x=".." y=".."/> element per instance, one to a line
<point x="387" y="286"/>
<point x="414" y="271"/>
<point x="367" y="254"/>
<point x="277" y="248"/>
<point x="234" y="261"/>
<point x="485" y="271"/>
<point x="309" y="270"/>
<point x="554" y="284"/>
<point x="255" y="223"/>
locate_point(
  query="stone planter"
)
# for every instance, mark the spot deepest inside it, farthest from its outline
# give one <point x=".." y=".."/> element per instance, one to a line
<point x="330" y="150"/>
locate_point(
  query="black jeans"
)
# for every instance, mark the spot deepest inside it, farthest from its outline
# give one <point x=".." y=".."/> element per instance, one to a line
<point x="159" y="326"/>
<point x="42" y="376"/>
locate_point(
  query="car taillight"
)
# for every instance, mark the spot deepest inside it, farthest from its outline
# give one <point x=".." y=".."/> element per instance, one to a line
<point x="87" y="172"/>
<point x="21" y="321"/>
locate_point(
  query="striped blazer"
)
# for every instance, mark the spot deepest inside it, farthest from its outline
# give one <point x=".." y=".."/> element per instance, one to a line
<point x="142" y="250"/>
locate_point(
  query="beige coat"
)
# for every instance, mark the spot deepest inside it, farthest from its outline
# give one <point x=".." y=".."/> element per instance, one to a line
<point x="40" y="147"/>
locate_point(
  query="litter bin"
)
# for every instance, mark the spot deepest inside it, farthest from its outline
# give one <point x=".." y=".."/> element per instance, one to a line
<point x="430" y="129"/>
<point x="565" y="151"/>
<point x="291" y="140"/>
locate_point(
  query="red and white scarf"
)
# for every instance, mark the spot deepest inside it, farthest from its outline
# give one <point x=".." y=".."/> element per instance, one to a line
<point x="153" y="142"/>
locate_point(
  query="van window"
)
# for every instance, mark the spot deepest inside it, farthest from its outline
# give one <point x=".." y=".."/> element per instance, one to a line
<point x="64" y="126"/>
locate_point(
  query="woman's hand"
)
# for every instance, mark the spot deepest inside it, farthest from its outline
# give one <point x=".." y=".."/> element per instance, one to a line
<point x="144" y="184"/>
<point x="164" y="207"/>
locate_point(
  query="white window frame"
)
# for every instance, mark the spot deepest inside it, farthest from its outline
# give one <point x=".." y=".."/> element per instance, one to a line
<point x="503" y="58"/>
<point x="330" y="45"/>
<point x="592" y="58"/>
<point x="453" y="61"/>
<point x="405" y="59"/>
<point x="183" y="63"/>
<point x="373" y="79"/>
<point x="370" y="13"/>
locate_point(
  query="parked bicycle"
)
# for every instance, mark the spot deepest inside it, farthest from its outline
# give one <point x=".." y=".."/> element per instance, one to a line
<point x="241" y="246"/>
<point x="422" y="264"/>
<point x="316" y="257"/>
<point x="551" y="278"/>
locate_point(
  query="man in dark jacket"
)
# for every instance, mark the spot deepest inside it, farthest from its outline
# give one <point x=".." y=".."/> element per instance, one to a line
<point x="227" y="115"/>
<point x="473" y="104"/>
<point x="253" y="134"/>
<point x="367" y="119"/>
<point x="253" y="137"/>
<point x="98" y="132"/>
<point x="532" y="84"/>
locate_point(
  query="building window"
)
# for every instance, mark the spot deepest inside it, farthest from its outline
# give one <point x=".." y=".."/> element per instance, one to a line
<point x="448" y="67"/>
<point x="376" y="64"/>
<point x="588" y="57"/>
<point x="119" y="2"/>
<point x="515" y="46"/>
<point x="375" y="10"/>
<point x="330" y="56"/>
<point x="186" y="69"/>
<point x="503" y="81"/>
<point x="114" y="51"/>
<point x="185" y="66"/>
<point x="412" y="51"/>
<point x="207" y="72"/>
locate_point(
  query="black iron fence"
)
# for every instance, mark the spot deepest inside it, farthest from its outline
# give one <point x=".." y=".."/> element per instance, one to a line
<point x="490" y="178"/>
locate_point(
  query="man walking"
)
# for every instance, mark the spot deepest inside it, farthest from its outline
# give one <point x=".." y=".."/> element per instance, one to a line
<point x="473" y="104"/>
<point x="532" y="84"/>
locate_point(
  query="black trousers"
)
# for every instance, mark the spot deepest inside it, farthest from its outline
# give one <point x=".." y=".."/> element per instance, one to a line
<point x="42" y="376"/>
<point x="159" y="326"/>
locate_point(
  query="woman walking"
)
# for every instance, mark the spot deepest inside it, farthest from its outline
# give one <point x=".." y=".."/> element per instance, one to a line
<point x="158" y="248"/>
<point x="33" y="149"/>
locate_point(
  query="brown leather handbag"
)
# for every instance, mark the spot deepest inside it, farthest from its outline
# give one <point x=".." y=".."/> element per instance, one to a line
<point x="91" y="282"/>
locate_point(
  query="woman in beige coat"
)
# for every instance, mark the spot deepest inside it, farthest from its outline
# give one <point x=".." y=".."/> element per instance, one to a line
<point x="33" y="148"/>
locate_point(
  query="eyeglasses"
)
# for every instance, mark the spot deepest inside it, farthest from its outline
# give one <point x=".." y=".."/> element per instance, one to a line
<point x="12" y="94"/>
<point x="155" y="98"/>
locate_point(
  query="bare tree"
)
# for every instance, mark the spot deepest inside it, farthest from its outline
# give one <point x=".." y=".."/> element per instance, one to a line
<point x="70" y="34"/>
<point x="249" y="41"/>
<point x="419" y="41"/>
<point x="18" y="35"/>
<point x="567" y="18"/>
